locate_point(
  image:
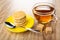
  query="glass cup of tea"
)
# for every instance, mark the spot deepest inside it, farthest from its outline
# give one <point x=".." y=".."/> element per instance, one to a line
<point x="44" y="12"/>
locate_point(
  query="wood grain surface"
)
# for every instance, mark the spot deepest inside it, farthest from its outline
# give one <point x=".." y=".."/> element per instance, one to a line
<point x="7" y="35"/>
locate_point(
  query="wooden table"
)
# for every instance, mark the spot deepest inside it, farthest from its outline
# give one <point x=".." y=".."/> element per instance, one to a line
<point x="7" y="35"/>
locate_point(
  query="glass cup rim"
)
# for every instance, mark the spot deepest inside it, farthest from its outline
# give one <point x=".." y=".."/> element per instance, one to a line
<point x="45" y="3"/>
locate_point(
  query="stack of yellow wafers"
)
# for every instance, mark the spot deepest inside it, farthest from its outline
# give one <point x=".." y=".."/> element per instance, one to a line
<point x="19" y="18"/>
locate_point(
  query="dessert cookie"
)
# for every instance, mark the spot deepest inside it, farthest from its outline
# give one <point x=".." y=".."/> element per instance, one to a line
<point x="19" y="18"/>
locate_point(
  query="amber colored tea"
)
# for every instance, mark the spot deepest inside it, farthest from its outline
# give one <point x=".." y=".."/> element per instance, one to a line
<point x="43" y="13"/>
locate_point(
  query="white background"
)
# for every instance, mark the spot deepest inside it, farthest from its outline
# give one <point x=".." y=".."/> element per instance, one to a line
<point x="26" y="5"/>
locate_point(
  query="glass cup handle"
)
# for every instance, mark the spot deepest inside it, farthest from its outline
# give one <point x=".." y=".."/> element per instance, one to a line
<point x="55" y="16"/>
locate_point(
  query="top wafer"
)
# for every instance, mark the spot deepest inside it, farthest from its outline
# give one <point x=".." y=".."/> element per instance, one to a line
<point x="19" y="15"/>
